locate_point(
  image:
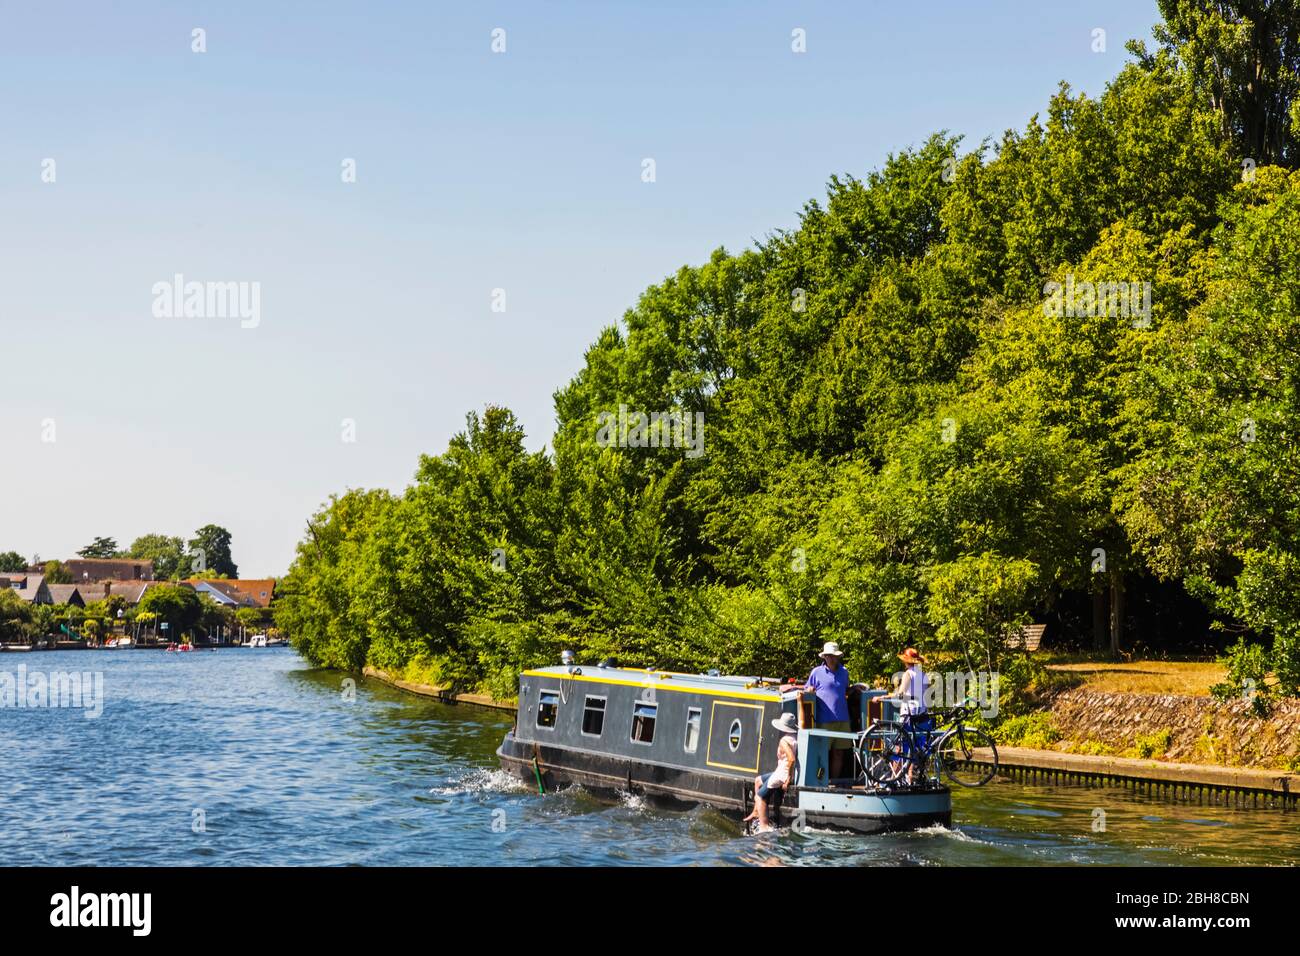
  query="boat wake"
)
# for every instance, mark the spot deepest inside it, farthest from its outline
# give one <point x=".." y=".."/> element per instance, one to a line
<point x="943" y="831"/>
<point x="483" y="780"/>
<point x="632" y="801"/>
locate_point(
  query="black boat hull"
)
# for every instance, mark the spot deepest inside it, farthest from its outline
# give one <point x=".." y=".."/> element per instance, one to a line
<point x="829" y="808"/>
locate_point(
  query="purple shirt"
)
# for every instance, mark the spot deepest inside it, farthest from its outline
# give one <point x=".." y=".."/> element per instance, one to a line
<point x="832" y="688"/>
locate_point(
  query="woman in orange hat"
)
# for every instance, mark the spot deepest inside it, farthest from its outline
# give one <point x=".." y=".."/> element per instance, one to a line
<point x="911" y="693"/>
<point x="912" y="683"/>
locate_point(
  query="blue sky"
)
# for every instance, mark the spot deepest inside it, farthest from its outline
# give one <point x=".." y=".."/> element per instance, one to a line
<point x="474" y="171"/>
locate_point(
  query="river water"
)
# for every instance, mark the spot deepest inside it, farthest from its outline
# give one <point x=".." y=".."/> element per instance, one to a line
<point x="246" y="756"/>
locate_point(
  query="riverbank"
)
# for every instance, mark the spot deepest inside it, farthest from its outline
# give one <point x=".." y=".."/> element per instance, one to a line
<point x="1199" y="783"/>
<point x="1204" y="731"/>
<point x="439" y="693"/>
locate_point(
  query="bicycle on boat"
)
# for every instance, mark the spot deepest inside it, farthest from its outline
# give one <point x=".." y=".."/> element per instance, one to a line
<point x="905" y="751"/>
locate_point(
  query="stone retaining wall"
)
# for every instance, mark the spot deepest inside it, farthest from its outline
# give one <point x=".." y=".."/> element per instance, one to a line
<point x="1202" y="729"/>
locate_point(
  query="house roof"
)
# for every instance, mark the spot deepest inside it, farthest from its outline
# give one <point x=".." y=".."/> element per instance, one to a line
<point x="32" y="586"/>
<point x="247" y="593"/>
<point x="109" y="569"/>
<point x="216" y="593"/>
<point x="130" y="591"/>
<point x="64" y="594"/>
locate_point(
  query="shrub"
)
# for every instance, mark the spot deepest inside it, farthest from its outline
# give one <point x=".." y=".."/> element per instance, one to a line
<point x="1153" y="744"/>
<point x="1093" y="748"/>
<point x="1027" y="730"/>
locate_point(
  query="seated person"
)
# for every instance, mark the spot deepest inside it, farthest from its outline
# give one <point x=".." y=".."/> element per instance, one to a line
<point x="787" y="751"/>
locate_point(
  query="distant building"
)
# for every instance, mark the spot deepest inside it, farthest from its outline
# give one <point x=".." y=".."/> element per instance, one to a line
<point x="97" y="570"/>
<point x="252" y="593"/>
<point x="129" y="591"/>
<point x="30" y="587"/>
<point x="61" y="594"/>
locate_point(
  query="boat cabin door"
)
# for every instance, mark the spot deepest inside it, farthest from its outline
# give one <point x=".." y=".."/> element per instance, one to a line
<point x="735" y="732"/>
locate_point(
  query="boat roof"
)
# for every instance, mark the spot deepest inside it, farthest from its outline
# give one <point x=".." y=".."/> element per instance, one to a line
<point x="719" y="684"/>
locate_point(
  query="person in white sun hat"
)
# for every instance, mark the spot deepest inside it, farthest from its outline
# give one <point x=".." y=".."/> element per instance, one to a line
<point x="830" y="682"/>
<point x="787" y="750"/>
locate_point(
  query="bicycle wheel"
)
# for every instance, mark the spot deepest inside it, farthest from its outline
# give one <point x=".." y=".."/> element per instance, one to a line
<point x="885" y="754"/>
<point x="958" y="752"/>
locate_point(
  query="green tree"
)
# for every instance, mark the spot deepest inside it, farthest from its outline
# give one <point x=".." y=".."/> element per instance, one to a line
<point x="210" y="552"/>
<point x="100" y="548"/>
<point x="177" y="605"/>
<point x="904" y="440"/>
<point x="167" y="553"/>
<point x="56" y="572"/>
<point x="16" y="618"/>
<point x="1244" y="58"/>
<point x="251" y="618"/>
<point x="12" y="561"/>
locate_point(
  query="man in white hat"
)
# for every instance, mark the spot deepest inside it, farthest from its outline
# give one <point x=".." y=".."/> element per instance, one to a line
<point x="830" y="682"/>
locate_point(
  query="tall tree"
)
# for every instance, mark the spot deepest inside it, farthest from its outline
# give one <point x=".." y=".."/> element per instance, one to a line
<point x="12" y="561"/>
<point x="210" y="552"/>
<point x="167" y="554"/>
<point x="100" y="548"/>
<point x="1244" y="56"/>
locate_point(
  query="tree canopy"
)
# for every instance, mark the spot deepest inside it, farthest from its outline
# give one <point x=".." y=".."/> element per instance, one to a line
<point x="100" y="548"/>
<point x="210" y="552"/>
<point x="1046" y="377"/>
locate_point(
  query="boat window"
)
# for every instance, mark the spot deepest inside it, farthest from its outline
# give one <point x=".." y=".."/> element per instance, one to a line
<point x="733" y="735"/>
<point x="547" y="708"/>
<point x="643" y="722"/>
<point x="692" y="729"/>
<point x="593" y="716"/>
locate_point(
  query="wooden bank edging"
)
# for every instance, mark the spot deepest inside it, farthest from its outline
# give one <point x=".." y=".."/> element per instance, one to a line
<point x="1200" y="783"/>
<point x="439" y="693"/>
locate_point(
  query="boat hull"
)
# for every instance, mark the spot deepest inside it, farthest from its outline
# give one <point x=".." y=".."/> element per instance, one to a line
<point x="857" y="811"/>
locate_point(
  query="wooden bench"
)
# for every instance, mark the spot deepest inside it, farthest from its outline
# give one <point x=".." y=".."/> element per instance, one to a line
<point x="1028" y="637"/>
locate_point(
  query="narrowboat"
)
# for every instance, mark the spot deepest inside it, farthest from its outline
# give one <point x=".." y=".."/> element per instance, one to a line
<point x="701" y="738"/>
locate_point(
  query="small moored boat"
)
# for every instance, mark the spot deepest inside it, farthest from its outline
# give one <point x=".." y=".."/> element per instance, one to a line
<point x="700" y="738"/>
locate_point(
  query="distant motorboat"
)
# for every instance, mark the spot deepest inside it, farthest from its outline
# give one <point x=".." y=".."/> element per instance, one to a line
<point x="257" y="640"/>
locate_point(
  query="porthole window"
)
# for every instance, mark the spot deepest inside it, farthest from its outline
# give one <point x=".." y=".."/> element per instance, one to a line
<point x="733" y="735"/>
<point x="547" y="708"/>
